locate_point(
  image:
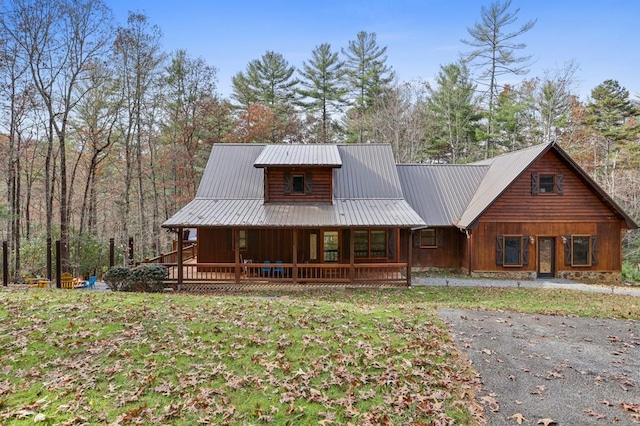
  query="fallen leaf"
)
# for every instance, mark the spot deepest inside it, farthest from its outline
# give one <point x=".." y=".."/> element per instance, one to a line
<point x="547" y="422"/>
<point x="519" y="418"/>
<point x="40" y="417"/>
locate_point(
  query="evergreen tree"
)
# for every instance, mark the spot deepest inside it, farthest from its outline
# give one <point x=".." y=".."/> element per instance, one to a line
<point x="322" y="88"/>
<point x="612" y="115"/>
<point x="268" y="81"/>
<point x="451" y="110"/>
<point x="368" y="76"/>
<point x="494" y="51"/>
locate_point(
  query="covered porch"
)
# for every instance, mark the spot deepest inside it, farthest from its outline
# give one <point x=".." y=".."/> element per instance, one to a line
<point x="288" y="257"/>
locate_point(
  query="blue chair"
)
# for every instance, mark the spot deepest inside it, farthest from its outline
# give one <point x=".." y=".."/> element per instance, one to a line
<point x="278" y="270"/>
<point x="90" y="283"/>
<point x="265" y="271"/>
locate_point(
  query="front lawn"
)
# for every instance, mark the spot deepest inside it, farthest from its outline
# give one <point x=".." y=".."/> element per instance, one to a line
<point x="360" y="357"/>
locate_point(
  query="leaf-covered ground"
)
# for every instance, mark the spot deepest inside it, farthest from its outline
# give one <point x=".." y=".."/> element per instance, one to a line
<point x="81" y="357"/>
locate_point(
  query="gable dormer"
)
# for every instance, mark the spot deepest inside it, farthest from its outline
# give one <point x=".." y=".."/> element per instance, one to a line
<point x="298" y="173"/>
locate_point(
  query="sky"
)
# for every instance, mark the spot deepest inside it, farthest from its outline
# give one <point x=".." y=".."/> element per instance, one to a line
<point x="599" y="36"/>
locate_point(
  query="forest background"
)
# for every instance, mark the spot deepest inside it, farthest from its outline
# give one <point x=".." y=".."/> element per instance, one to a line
<point x="104" y="134"/>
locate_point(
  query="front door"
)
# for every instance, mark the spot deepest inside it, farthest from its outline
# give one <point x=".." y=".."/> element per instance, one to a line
<point x="330" y="246"/>
<point x="546" y="257"/>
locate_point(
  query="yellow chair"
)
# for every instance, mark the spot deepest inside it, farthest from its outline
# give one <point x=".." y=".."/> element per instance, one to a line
<point x="67" y="281"/>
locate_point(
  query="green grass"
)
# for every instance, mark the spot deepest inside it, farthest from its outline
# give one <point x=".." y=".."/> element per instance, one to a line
<point x="69" y="357"/>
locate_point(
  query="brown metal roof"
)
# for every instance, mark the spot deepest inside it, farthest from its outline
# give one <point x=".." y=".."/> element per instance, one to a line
<point x="367" y="193"/>
<point x="503" y="170"/>
<point x="299" y="155"/>
<point x="255" y="213"/>
<point x="440" y="193"/>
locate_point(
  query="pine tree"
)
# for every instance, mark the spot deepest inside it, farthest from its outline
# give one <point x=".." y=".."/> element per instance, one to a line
<point x="323" y="88"/>
<point x="268" y="81"/>
<point x="368" y="75"/>
<point x="494" y="51"/>
<point x="453" y="119"/>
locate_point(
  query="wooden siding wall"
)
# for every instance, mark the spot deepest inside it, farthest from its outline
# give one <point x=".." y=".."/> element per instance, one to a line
<point x="214" y="245"/>
<point x="321" y="186"/>
<point x="450" y="255"/>
<point x="578" y="211"/>
<point x="608" y="244"/>
<point x="577" y="203"/>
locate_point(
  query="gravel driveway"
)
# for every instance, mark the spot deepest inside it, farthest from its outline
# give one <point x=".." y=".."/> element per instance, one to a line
<point x="537" y="369"/>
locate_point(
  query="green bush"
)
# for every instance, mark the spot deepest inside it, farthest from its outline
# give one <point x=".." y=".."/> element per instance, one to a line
<point x="143" y="278"/>
<point x="630" y="272"/>
<point x="147" y="278"/>
<point x="117" y="278"/>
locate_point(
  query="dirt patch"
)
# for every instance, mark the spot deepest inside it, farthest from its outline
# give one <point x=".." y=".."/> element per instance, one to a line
<point x="574" y="371"/>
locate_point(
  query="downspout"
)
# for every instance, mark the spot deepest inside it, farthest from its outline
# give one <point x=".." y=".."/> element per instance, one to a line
<point x="468" y="234"/>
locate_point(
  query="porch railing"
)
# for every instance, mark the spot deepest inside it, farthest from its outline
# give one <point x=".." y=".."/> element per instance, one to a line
<point x="288" y="273"/>
<point x="188" y="252"/>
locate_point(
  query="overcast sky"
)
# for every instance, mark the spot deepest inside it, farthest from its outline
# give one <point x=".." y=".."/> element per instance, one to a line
<point x="600" y="36"/>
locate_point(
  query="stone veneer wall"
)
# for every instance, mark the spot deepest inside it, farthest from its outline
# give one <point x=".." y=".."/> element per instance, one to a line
<point x="592" y="277"/>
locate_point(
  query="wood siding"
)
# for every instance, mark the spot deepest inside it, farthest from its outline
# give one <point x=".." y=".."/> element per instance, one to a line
<point x="321" y="185"/>
<point x="609" y="252"/>
<point x="215" y="246"/>
<point x="578" y="203"/>
<point x="576" y="211"/>
<point x="449" y="254"/>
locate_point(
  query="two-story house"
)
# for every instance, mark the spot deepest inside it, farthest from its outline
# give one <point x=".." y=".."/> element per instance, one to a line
<point x="298" y="213"/>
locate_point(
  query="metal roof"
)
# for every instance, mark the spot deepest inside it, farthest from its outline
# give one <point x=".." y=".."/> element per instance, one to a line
<point x="255" y="213"/>
<point x="366" y="192"/>
<point x="299" y="155"/>
<point x="440" y="193"/>
<point x="503" y="170"/>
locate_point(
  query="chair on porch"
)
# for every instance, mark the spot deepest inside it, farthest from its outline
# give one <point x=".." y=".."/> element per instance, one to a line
<point x="278" y="270"/>
<point x="265" y="271"/>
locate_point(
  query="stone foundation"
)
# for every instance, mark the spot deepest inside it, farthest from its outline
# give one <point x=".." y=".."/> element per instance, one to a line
<point x="506" y="275"/>
<point x="592" y="277"/>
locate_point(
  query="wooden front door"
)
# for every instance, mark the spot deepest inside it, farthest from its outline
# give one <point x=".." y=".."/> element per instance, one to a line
<point x="330" y="246"/>
<point x="546" y="257"/>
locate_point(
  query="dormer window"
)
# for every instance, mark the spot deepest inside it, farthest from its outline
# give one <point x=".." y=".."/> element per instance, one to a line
<point x="298" y="184"/>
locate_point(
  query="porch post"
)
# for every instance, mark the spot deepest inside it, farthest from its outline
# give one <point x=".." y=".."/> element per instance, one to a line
<point x="468" y="234"/>
<point x="236" y="239"/>
<point x="294" y="271"/>
<point x="352" y="266"/>
<point x="180" y="260"/>
<point x="409" y="257"/>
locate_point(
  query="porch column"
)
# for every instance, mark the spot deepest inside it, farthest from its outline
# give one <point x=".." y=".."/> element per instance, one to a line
<point x="409" y="257"/>
<point x="468" y="234"/>
<point x="352" y="249"/>
<point x="236" y="244"/>
<point x="180" y="260"/>
<point x="294" y="258"/>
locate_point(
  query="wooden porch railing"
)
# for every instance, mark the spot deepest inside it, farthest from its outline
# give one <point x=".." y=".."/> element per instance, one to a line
<point x="256" y="273"/>
<point x="188" y="252"/>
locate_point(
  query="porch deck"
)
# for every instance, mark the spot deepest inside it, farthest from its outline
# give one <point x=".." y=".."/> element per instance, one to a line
<point x="204" y="277"/>
<point x="198" y="277"/>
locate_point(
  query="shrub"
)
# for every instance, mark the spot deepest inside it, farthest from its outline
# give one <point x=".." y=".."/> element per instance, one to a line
<point x="630" y="272"/>
<point x="147" y="278"/>
<point x="117" y="278"/>
<point x="143" y="278"/>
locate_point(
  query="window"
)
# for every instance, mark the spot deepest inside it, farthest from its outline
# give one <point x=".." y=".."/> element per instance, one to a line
<point x="547" y="183"/>
<point x="242" y="239"/>
<point x="298" y="184"/>
<point x="370" y="244"/>
<point x="378" y="244"/>
<point x="428" y="238"/>
<point x="581" y="250"/>
<point x="512" y="251"/>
